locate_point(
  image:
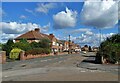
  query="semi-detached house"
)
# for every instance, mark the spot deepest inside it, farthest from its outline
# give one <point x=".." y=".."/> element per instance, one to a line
<point x="35" y="36"/>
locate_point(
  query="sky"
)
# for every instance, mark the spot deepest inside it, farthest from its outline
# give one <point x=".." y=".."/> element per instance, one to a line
<point x="83" y="21"/>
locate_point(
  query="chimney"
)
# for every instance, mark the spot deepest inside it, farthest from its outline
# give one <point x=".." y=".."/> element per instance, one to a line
<point x="37" y="29"/>
<point x="51" y="35"/>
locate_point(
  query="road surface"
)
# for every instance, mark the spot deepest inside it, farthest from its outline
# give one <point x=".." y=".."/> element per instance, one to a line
<point x="57" y="68"/>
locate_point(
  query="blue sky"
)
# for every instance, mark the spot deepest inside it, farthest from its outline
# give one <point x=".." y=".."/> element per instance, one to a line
<point x="81" y="20"/>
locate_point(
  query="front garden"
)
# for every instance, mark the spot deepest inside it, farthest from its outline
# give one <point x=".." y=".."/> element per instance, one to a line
<point x="35" y="48"/>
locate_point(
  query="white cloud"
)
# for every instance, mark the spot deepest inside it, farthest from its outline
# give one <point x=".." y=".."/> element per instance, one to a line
<point x="119" y="10"/>
<point x="17" y="28"/>
<point x="103" y="14"/>
<point x="44" y="8"/>
<point x="4" y="37"/>
<point x="93" y="39"/>
<point x="89" y="33"/>
<point x="23" y="17"/>
<point x="46" y="28"/>
<point x="65" y="19"/>
<point x="79" y="30"/>
<point x="13" y="29"/>
<point x="30" y="11"/>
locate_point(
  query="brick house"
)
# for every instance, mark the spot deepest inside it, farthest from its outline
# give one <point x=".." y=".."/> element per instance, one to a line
<point x="56" y="45"/>
<point x="32" y="36"/>
<point x="72" y="45"/>
<point x="36" y="36"/>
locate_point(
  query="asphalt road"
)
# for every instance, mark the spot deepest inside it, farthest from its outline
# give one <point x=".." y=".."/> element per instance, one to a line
<point x="57" y="68"/>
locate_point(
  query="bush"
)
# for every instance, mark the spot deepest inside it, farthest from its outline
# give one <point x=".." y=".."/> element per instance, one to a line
<point x="110" y="49"/>
<point x="44" y="43"/>
<point x="36" y="51"/>
<point x="34" y="45"/>
<point x="22" y="45"/>
<point x="14" y="54"/>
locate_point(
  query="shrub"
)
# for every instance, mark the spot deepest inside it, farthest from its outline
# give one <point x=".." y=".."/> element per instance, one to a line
<point x="22" y="45"/>
<point x="110" y="48"/>
<point x="34" y="45"/>
<point x="36" y="51"/>
<point x="44" y="43"/>
<point x="14" y="54"/>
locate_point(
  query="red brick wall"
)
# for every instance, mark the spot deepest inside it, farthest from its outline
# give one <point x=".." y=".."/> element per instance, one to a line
<point x="2" y="57"/>
<point x="23" y="57"/>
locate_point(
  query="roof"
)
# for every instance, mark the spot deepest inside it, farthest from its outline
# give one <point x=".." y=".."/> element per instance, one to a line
<point x="32" y="35"/>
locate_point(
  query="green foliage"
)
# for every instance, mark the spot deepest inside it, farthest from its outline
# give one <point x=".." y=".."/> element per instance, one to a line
<point x="14" y="54"/>
<point x="36" y="51"/>
<point x="8" y="46"/>
<point x="23" y="40"/>
<point x="23" y="44"/>
<point x="1" y="46"/>
<point x="44" y="43"/>
<point x="34" y="45"/>
<point x="111" y="48"/>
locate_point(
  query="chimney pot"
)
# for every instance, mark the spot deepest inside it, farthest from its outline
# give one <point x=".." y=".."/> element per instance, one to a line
<point x="37" y="29"/>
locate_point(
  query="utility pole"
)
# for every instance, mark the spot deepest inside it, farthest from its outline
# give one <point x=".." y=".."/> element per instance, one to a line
<point x="69" y="45"/>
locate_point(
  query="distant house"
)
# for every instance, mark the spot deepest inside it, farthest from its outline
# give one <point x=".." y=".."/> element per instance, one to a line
<point x="95" y="49"/>
<point x="56" y="45"/>
<point x="69" y="45"/>
<point x="36" y="36"/>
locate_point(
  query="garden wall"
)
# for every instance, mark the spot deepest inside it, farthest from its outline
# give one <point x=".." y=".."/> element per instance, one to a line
<point x="2" y="57"/>
<point x="30" y="56"/>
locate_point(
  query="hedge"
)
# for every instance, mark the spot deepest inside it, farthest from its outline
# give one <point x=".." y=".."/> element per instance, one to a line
<point x="36" y="51"/>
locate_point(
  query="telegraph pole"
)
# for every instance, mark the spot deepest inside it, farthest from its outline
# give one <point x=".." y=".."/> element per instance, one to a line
<point x="69" y="45"/>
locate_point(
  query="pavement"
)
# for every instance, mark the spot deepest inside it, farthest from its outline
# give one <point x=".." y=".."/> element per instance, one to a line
<point x="72" y="67"/>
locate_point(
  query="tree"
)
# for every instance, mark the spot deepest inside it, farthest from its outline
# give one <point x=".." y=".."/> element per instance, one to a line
<point x="8" y="46"/>
<point x="110" y="48"/>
